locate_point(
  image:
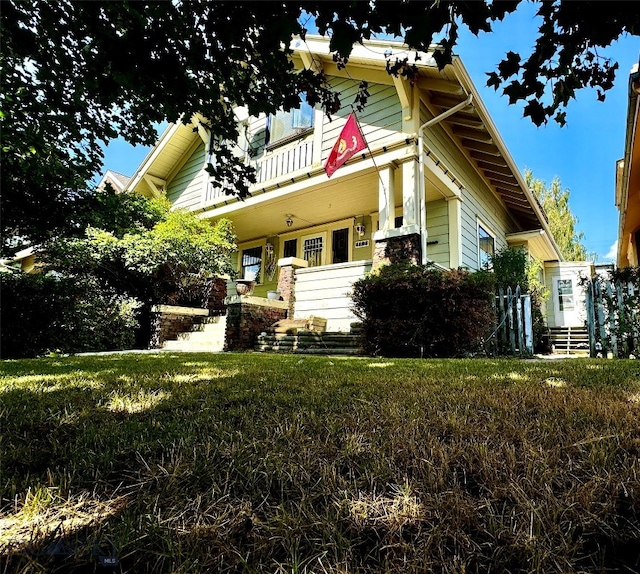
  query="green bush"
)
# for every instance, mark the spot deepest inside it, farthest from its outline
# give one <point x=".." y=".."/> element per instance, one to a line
<point x="414" y="310"/>
<point x="46" y="313"/>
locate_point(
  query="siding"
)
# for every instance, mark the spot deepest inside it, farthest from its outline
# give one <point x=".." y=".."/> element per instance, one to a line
<point x="187" y="187"/>
<point x="438" y="230"/>
<point x="484" y="206"/>
<point x="381" y="118"/>
<point x="324" y="292"/>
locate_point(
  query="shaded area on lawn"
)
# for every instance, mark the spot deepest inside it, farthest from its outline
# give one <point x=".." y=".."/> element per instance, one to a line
<point x="231" y="463"/>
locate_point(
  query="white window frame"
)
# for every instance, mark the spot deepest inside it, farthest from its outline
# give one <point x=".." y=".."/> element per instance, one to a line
<point x="297" y="133"/>
<point x="491" y="233"/>
<point x="252" y="245"/>
<point x="323" y="255"/>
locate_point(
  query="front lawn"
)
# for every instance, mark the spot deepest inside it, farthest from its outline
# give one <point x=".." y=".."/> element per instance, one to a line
<point x="197" y="463"/>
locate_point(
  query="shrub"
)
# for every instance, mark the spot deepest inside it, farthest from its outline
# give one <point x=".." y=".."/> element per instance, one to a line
<point x="43" y="313"/>
<point x="414" y="310"/>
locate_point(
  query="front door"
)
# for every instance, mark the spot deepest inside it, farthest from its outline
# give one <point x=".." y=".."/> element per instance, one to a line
<point x="564" y="302"/>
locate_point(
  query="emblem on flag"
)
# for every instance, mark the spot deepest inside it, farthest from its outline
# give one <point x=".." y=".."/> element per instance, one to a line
<point x="349" y="142"/>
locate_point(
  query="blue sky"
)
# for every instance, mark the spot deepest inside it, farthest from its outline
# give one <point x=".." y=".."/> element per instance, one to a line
<point x="582" y="154"/>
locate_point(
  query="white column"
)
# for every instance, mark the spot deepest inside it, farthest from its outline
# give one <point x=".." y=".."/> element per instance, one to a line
<point x="386" y="204"/>
<point x="454" y="205"/>
<point x="410" y="196"/>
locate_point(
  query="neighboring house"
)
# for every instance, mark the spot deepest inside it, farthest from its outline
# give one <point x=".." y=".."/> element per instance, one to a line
<point x="436" y="184"/>
<point x="628" y="181"/>
<point x="117" y="180"/>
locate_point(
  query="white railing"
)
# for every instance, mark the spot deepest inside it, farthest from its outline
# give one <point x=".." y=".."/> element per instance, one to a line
<point x="279" y="162"/>
<point x="272" y="165"/>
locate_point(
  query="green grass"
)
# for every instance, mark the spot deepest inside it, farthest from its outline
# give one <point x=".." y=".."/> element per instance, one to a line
<point x="281" y="464"/>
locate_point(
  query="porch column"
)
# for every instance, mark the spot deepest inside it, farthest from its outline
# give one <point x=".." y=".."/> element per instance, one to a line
<point x="454" y="205"/>
<point x="393" y="245"/>
<point x="410" y="196"/>
<point x="386" y="203"/>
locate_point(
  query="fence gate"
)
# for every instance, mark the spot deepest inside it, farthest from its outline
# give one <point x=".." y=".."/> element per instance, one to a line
<point x="613" y="317"/>
<point x="514" y="333"/>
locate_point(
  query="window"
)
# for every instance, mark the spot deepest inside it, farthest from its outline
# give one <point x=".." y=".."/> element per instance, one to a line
<point x="486" y="248"/>
<point x="285" y="126"/>
<point x="340" y="245"/>
<point x="290" y="248"/>
<point x="312" y="251"/>
<point x="565" y="295"/>
<point x="252" y="264"/>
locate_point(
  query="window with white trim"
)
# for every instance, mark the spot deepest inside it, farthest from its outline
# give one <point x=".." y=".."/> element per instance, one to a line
<point x="286" y="126"/>
<point x="565" y="295"/>
<point x="251" y="264"/>
<point x="312" y="250"/>
<point x="486" y="247"/>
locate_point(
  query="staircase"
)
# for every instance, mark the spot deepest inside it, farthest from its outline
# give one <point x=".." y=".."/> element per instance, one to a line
<point x="310" y="343"/>
<point x="569" y="340"/>
<point x="207" y="335"/>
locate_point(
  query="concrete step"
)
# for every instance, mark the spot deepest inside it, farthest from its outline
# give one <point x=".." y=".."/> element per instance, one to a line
<point x="208" y="335"/>
<point x="309" y="343"/>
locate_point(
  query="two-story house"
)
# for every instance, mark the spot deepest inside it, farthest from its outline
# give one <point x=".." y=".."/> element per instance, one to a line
<point x="435" y="184"/>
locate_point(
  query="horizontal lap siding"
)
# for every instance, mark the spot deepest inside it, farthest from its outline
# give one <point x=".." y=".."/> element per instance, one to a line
<point x="438" y="230"/>
<point x="490" y="211"/>
<point x="381" y="118"/>
<point x="186" y="188"/>
<point x="325" y="292"/>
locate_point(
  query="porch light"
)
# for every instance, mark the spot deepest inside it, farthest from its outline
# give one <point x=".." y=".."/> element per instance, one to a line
<point x="360" y="228"/>
<point x="289" y="220"/>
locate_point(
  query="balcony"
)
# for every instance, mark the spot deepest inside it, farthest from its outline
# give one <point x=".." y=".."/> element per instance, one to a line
<point x="272" y="165"/>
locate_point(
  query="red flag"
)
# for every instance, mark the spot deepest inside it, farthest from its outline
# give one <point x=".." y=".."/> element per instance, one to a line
<point x="349" y="143"/>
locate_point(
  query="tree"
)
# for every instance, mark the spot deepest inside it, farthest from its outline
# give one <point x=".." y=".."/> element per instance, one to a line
<point x="562" y="223"/>
<point x="77" y="74"/>
<point x="169" y="262"/>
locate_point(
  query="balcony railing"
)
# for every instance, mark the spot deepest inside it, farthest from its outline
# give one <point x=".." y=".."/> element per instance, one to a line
<point x="272" y="165"/>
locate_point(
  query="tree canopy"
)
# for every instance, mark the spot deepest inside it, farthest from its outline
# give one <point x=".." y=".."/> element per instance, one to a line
<point x="77" y="74"/>
<point x="562" y="223"/>
<point x="156" y="255"/>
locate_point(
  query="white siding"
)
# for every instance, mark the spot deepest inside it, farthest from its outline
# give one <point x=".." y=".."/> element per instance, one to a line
<point x="187" y="187"/>
<point x="325" y="292"/>
<point x="438" y="230"/>
<point x="566" y="270"/>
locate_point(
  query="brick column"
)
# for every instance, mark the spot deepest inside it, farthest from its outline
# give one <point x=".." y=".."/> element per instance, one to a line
<point x="397" y="249"/>
<point x="287" y="280"/>
<point x="217" y="291"/>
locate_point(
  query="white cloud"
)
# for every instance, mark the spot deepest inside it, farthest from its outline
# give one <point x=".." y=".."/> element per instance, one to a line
<point x="612" y="253"/>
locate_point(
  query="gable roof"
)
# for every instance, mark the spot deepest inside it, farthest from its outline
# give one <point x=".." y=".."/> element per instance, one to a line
<point x="118" y="181"/>
<point x="471" y="128"/>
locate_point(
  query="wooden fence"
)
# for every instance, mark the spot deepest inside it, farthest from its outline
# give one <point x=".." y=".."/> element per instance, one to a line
<point x="613" y="317"/>
<point x="514" y="332"/>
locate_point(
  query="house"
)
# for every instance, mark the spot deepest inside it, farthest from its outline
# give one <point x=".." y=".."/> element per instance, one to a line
<point x="435" y="184"/>
<point x="628" y="181"/>
<point x="118" y="181"/>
